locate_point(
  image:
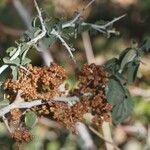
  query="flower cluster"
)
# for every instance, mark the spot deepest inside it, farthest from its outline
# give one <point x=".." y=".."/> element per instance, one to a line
<point x="92" y="82"/>
<point x="22" y="135"/>
<point x="37" y="82"/>
<point x="44" y="82"/>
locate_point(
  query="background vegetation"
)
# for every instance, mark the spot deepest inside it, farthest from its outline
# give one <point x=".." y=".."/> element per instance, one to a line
<point x="133" y="132"/>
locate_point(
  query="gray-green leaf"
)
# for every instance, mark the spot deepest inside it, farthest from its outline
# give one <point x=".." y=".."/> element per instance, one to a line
<point x="132" y="69"/>
<point x="112" y="65"/>
<point x="122" y="110"/>
<point x="24" y="48"/>
<point x="48" y="41"/>
<point x="14" y="72"/>
<point x="129" y="56"/>
<point x="25" y="61"/>
<point x="4" y="103"/>
<point x="13" y="62"/>
<point x="114" y="92"/>
<point x="30" y="119"/>
<point x="11" y="51"/>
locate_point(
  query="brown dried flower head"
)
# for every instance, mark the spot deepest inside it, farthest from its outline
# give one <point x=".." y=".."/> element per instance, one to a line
<point x="44" y="82"/>
<point x="37" y="83"/>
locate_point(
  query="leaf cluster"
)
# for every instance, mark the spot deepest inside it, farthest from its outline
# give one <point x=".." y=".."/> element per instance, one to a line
<point x="123" y="71"/>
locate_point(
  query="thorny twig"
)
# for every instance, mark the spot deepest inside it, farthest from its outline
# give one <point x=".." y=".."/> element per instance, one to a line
<point x="19" y="104"/>
<point x="100" y="28"/>
<point x="69" y="24"/>
<point x="24" y="14"/>
<point x="40" y="16"/>
<point x="72" y="22"/>
<point x="30" y="43"/>
<point x="64" y="43"/>
<point x="104" y="28"/>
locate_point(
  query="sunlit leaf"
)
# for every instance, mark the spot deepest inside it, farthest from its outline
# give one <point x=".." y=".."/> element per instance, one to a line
<point x="11" y="51"/>
<point x="30" y="119"/>
<point x="128" y="57"/>
<point x="7" y="60"/>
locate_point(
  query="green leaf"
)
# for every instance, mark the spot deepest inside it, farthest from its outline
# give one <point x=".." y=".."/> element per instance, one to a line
<point x="30" y="119"/>
<point x="35" y="21"/>
<point x="11" y="51"/>
<point x="37" y="32"/>
<point x="54" y="23"/>
<point x="25" y="61"/>
<point x="145" y="47"/>
<point x="132" y="69"/>
<point x="112" y="65"/>
<point x="48" y="41"/>
<point x="114" y="92"/>
<point x="122" y="110"/>
<point x="7" y="60"/>
<point x="4" y="103"/>
<point x="123" y="53"/>
<point x="28" y="35"/>
<point x="14" y="72"/>
<point x="24" y="47"/>
<point x="128" y="57"/>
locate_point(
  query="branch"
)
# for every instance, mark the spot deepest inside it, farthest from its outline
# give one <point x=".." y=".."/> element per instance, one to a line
<point x="103" y="138"/>
<point x="86" y="137"/>
<point x="71" y="23"/>
<point x="100" y="28"/>
<point x="54" y="32"/>
<point x="104" y="28"/>
<point x="40" y="16"/>
<point x="14" y="105"/>
<point x="26" y="105"/>
<point x="107" y="134"/>
<point x="47" y="58"/>
<point x="30" y="43"/>
<point x="88" y="47"/>
<point x="114" y="20"/>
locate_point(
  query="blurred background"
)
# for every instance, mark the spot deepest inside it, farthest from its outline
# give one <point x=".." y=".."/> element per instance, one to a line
<point x="15" y="18"/>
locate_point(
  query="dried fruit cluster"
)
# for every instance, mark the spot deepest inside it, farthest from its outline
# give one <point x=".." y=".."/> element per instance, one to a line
<point x="36" y="83"/>
<point x="92" y="81"/>
<point x="44" y="83"/>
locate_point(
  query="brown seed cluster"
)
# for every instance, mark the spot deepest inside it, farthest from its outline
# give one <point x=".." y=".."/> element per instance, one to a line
<point x="44" y="82"/>
<point x="67" y="115"/>
<point x="37" y="83"/>
<point x="15" y="116"/>
<point x="22" y="135"/>
<point x="92" y="79"/>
